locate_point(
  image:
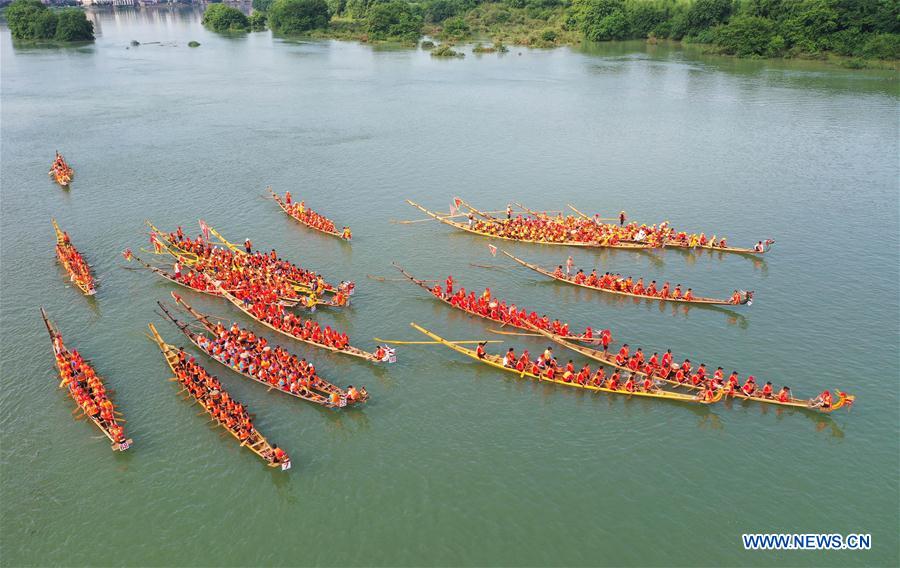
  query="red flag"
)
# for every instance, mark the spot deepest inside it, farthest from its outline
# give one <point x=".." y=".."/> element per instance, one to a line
<point x="457" y="201"/>
<point x="127" y="254"/>
<point x="205" y="229"/>
<point x="493" y="250"/>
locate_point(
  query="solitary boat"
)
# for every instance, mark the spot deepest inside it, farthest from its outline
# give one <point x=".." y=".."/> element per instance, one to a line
<point x="497" y="362"/>
<point x="87" y="389"/>
<point x="746" y="298"/>
<point x="248" y="346"/>
<point x="227" y="412"/>
<point x="61" y="172"/>
<point x="307" y="217"/>
<point x="73" y="262"/>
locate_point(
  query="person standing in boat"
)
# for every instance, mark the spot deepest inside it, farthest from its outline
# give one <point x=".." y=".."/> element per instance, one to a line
<point x="570" y="263"/>
<point x="622" y="218"/>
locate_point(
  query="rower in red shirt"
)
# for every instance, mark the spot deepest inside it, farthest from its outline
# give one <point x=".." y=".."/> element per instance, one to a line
<point x="749" y="387"/>
<point x="767" y="390"/>
<point x="622" y="357"/>
<point x="629" y="384"/>
<point x="449" y="284"/>
<point x="479" y="351"/>
<point x="784" y="395"/>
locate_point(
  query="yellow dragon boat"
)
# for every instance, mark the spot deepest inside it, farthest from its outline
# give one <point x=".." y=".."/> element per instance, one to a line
<point x="497" y="362"/>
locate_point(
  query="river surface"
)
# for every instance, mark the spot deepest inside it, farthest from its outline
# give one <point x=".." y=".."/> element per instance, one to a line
<point x="451" y="463"/>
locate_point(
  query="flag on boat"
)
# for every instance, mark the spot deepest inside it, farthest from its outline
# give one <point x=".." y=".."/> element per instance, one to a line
<point x="453" y="209"/>
<point x="205" y="229"/>
<point x="127" y="254"/>
<point x="493" y="250"/>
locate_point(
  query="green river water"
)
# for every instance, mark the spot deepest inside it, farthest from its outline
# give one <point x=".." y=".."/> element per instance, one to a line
<point x="451" y="463"/>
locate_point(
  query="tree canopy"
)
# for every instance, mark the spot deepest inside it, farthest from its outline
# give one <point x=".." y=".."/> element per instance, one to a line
<point x="298" y="16"/>
<point x="31" y="20"/>
<point x="222" y="18"/>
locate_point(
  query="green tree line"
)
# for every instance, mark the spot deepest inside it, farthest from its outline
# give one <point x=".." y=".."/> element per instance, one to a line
<point x="31" y="20"/>
<point x="746" y="28"/>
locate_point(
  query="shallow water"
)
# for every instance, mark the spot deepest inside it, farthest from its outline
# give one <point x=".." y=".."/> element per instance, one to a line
<point x="451" y="463"/>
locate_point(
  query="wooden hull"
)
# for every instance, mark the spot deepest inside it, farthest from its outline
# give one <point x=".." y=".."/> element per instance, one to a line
<point x="466" y="228"/>
<point x="87" y="288"/>
<point x="284" y="207"/>
<point x="115" y="445"/>
<point x="313" y="397"/>
<point x="696" y="300"/>
<point x="609" y="359"/>
<point x="425" y="287"/>
<point x="351" y="351"/>
<point x="172" y="248"/>
<point x="496" y="362"/>
<point x="256" y="443"/>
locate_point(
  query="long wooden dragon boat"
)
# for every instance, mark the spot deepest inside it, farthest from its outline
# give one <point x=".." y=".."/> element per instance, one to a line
<point x="61" y="172"/>
<point x="497" y="362"/>
<point x="422" y="284"/>
<point x="109" y="425"/>
<point x="466" y="228"/>
<point x="675" y="243"/>
<point x="255" y="442"/>
<point x="746" y="297"/>
<point x="286" y="302"/>
<point x="844" y="399"/>
<point x="65" y="252"/>
<point x="173" y="247"/>
<point x="349" y="350"/>
<point x="290" y="213"/>
<point x="319" y="393"/>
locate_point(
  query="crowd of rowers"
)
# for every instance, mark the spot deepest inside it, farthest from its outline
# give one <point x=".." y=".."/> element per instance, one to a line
<point x="61" y="170"/>
<point x="242" y="350"/>
<point x="231" y="414"/>
<point x="257" y="269"/>
<point x="269" y="260"/>
<point x="642" y="373"/>
<point x="262" y="308"/>
<point x="78" y="267"/>
<point x="309" y="217"/>
<point x="543" y="228"/>
<point x="87" y="389"/>
<point x="486" y="306"/>
<point x="616" y="283"/>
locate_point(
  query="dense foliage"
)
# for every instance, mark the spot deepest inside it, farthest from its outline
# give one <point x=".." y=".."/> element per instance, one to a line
<point x="222" y="18"/>
<point x="298" y="16"/>
<point x="393" y="20"/>
<point x="262" y="5"/>
<point x="31" y="20"/>
<point x="258" y="21"/>
<point x="866" y="28"/>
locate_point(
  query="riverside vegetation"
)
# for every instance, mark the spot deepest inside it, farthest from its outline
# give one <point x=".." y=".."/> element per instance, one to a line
<point x="30" y="20"/>
<point x="860" y="31"/>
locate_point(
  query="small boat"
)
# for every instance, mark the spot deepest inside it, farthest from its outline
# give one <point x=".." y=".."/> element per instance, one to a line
<point x="497" y="362"/>
<point x="569" y="243"/>
<point x="73" y="262"/>
<point x="422" y="284"/>
<point x="289" y="209"/>
<point x="207" y="397"/>
<point x="348" y="350"/>
<point x="321" y="392"/>
<point x="61" y="172"/>
<point x="746" y="297"/>
<point x="210" y="291"/>
<point x="844" y="399"/>
<point x="92" y="400"/>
